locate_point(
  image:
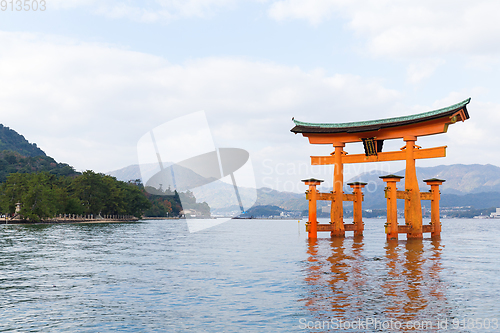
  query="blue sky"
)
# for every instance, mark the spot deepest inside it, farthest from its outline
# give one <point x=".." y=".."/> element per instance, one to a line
<point x="86" y="79"/>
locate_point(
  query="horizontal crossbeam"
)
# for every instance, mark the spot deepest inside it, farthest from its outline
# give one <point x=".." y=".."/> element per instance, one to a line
<point x="405" y="229"/>
<point x="331" y="196"/>
<point x="402" y="195"/>
<point x="381" y="157"/>
<point x="329" y="227"/>
<point x="402" y="229"/>
<point x="425" y="196"/>
<point x="406" y="195"/>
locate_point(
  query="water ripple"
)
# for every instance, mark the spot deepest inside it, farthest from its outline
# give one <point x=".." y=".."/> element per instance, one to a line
<point x="240" y="276"/>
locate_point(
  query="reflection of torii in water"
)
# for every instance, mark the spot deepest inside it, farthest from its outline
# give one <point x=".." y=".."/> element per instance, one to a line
<point x="340" y="283"/>
<point x="372" y="134"/>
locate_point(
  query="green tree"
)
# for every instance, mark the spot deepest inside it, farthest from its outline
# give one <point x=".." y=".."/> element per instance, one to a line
<point x="136" y="201"/>
<point x="40" y="200"/>
<point x="103" y="194"/>
<point x="43" y="195"/>
<point x="38" y="195"/>
<point x="91" y="191"/>
<point x="11" y="191"/>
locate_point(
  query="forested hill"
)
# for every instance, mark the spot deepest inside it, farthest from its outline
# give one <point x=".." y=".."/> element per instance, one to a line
<point x="45" y="188"/>
<point x="17" y="155"/>
<point x="13" y="141"/>
<point x="13" y="162"/>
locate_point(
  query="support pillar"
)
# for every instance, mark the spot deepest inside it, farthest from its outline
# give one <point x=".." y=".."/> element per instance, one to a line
<point x="337" y="210"/>
<point x="312" y="194"/>
<point x="413" y="206"/>
<point x="391" y="227"/>
<point x="357" y="207"/>
<point x="436" y="196"/>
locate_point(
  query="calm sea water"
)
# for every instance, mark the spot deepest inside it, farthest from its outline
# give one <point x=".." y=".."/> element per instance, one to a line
<point x="246" y="276"/>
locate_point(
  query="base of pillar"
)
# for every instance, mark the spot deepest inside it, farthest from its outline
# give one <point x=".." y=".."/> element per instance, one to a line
<point x="392" y="236"/>
<point x="416" y="235"/>
<point x="337" y="233"/>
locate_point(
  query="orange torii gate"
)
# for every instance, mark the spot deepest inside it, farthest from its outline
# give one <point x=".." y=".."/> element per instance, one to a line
<point x="372" y="134"/>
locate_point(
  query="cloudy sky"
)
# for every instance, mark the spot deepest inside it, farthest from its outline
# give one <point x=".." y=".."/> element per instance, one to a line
<point x="86" y="79"/>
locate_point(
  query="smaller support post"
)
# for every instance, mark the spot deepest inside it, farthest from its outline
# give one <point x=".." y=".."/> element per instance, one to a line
<point x="391" y="228"/>
<point x="357" y="210"/>
<point x="436" y="196"/>
<point x="313" y="221"/>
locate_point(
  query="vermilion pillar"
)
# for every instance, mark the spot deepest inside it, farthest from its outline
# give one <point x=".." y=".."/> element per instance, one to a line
<point x="357" y="207"/>
<point x="436" y="196"/>
<point x="413" y="206"/>
<point x="337" y="210"/>
<point x="313" y="221"/>
<point x="391" y="228"/>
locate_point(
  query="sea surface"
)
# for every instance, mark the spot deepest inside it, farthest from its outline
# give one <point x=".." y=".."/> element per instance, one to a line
<point x="247" y="276"/>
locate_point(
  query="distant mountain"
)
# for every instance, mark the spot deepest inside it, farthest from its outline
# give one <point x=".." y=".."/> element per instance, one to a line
<point x="460" y="178"/>
<point x="463" y="179"/>
<point x="12" y="141"/>
<point x="132" y="172"/>
<point x="218" y="193"/>
<point x="185" y="179"/>
<point x="474" y="200"/>
<point x="473" y="185"/>
<point x="264" y="211"/>
<point x="286" y="200"/>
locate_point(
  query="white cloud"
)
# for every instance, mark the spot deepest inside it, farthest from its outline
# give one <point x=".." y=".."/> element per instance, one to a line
<point x="88" y="104"/>
<point x="407" y="28"/>
<point x="133" y="13"/>
<point x="70" y="4"/>
<point x="475" y="140"/>
<point x="484" y="63"/>
<point x="422" y="69"/>
<point x="195" y="8"/>
<point x="313" y="11"/>
<point x="146" y="11"/>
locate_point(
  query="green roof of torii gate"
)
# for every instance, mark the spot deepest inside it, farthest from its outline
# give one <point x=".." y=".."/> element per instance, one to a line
<point x="371" y="125"/>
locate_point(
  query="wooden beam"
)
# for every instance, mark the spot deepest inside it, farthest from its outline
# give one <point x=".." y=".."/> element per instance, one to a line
<point x="321" y="227"/>
<point x="404" y="229"/>
<point x="425" y="196"/>
<point x="325" y="196"/>
<point x="402" y="195"/>
<point x="349" y="227"/>
<point x="329" y="227"/>
<point x="330" y="196"/>
<point x="322" y="196"/>
<point x="381" y="157"/>
<point x="349" y="197"/>
<point x="427" y="228"/>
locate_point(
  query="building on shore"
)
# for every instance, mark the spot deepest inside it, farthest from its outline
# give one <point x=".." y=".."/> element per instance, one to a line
<point x="495" y="215"/>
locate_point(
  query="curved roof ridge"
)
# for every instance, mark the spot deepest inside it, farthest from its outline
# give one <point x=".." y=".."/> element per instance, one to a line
<point x="414" y="117"/>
